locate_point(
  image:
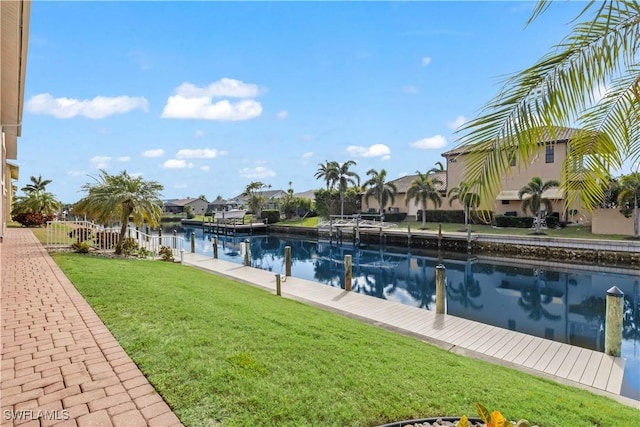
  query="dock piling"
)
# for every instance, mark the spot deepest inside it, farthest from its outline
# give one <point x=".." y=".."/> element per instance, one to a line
<point x="440" y="289"/>
<point x="287" y="261"/>
<point x="613" y="322"/>
<point x="348" y="272"/>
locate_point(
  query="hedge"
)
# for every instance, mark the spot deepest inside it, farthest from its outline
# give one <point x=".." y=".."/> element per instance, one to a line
<point x="456" y="217"/>
<point x="514" y="221"/>
<point x="271" y="215"/>
<point x="32" y="219"/>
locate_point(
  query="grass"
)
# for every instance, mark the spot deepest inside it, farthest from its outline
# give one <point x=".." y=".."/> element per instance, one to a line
<point x="223" y="352"/>
<point x="305" y="222"/>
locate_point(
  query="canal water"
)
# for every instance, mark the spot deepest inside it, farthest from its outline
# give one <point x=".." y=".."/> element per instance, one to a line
<point x="560" y="302"/>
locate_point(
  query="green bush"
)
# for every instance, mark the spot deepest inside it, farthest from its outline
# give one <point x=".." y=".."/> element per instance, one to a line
<point x="80" y="247"/>
<point x="552" y="221"/>
<point x="456" y="216"/>
<point x="129" y="246"/>
<point x="271" y="215"/>
<point x="166" y="253"/>
<point x="514" y="221"/>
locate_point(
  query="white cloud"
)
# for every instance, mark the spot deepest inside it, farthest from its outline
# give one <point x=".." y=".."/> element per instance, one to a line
<point x="376" y="150"/>
<point x="197" y="153"/>
<point x="387" y="157"/>
<point x="193" y="102"/>
<point x="100" y="162"/>
<point x="307" y="155"/>
<point x="136" y="174"/>
<point x="411" y="90"/>
<point x="455" y="124"/>
<point x="158" y="152"/>
<point x="198" y="133"/>
<point x="224" y="87"/>
<point x="96" y="108"/>
<point x="256" y="173"/>
<point x="432" y="142"/>
<point x="426" y="60"/>
<point x="76" y="173"/>
<point x="124" y="158"/>
<point x="283" y="114"/>
<point x="205" y="168"/>
<point x="176" y="164"/>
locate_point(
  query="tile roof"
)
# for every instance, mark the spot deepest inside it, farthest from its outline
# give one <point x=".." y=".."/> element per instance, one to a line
<point x="402" y="184"/>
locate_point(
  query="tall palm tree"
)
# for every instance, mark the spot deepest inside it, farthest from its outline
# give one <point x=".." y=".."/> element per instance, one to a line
<point x="464" y="193"/>
<point x="344" y="177"/>
<point x="535" y="201"/>
<point x="122" y="196"/>
<point x="422" y="190"/>
<point x="37" y="185"/>
<point x="381" y="190"/>
<point x="563" y="88"/>
<point x="630" y="193"/>
<point x="328" y="171"/>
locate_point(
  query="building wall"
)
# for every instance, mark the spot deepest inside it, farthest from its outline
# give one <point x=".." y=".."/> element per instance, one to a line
<point x="5" y="203"/>
<point x="199" y="206"/>
<point x="517" y="177"/>
<point x="611" y="221"/>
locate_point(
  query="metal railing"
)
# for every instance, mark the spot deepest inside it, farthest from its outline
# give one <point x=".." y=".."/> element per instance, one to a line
<point x="65" y="233"/>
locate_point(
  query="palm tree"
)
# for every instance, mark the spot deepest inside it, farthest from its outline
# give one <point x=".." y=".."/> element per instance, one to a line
<point x="381" y="190"/>
<point x="122" y="196"/>
<point x="423" y="189"/>
<point x="344" y="177"/>
<point x="534" y="203"/>
<point x="439" y="167"/>
<point x="36" y="201"/>
<point x="561" y="89"/>
<point x="328" y="172"/>
<point x="37" y="185"/>
<point x="466" y="196"/>
<point x="255" y="201"/>
<point x="630" y="194"/>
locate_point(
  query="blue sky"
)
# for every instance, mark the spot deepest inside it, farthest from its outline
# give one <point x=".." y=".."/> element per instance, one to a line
<point x="205" y="97"/>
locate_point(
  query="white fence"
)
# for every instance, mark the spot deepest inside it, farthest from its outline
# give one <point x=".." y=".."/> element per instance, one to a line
<point x="66" y="233"/>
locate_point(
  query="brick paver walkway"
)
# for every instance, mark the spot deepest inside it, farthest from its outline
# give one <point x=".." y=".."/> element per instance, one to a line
<point x="60" y="365"/>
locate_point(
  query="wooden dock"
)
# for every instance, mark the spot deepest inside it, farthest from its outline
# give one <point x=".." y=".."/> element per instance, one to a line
<point x="561" y="362"/>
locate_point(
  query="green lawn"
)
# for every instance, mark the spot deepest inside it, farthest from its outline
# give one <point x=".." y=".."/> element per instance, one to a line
<point x="222" y="351"/>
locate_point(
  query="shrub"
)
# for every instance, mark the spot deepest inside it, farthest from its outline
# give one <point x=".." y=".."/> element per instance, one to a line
<point x="32" y="219"/>
<point x="456" y="216"/>
<point x="395" y="216"/>
<point x="166" y="253"/>
<point x="552" y="221"/>
<point x="514" y="221"/>
<point x="80" y="247"/>
<point x="271" y="215"/>
<point x="129" y="246"/>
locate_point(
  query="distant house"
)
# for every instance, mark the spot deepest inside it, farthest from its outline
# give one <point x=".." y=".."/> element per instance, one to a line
<point x="402" y="185"/>
<point x="272" y="198"/>
<point x="177" y="206"/>
<point x="222" y="205"/>
<point x="309" y="194"/>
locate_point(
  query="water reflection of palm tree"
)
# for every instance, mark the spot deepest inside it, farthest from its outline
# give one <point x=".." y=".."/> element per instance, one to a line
<point x="466" y="290"/>
<point x="533" y="299"/>
<point x="421" y="288"/>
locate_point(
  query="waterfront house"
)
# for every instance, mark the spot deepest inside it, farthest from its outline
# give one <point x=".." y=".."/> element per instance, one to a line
<point x="176" y="206"/>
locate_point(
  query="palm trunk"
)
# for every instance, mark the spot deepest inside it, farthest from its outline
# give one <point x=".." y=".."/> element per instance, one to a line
<point x="123" y="230"/>
<point x="636" y="220"/>
<point x="424" y="215"/>
<point x="341" y="203"/>
<point x="466" y="215"/>
<point x="538" y="222"/>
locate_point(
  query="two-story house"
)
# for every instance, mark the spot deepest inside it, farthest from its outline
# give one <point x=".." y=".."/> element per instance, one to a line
<point x="547" y="164"/>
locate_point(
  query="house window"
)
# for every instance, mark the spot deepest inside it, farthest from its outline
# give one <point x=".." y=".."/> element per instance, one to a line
<point x="549" y="154"/>
<point x="505" y="202"/>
